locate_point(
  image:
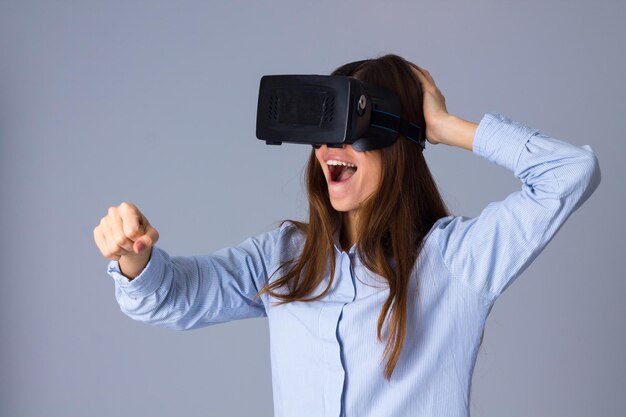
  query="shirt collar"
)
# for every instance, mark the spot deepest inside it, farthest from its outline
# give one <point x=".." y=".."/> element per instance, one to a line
<point x="338" y="248"/>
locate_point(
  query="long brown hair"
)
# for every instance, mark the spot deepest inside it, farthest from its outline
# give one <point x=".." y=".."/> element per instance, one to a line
<point x="392" y="223"/>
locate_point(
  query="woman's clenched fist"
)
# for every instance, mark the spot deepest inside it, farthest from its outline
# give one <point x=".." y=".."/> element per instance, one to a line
<point x="125" y="235"/>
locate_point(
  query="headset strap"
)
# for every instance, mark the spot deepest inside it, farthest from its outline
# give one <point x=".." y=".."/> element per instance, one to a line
<point x="394" y="123"/>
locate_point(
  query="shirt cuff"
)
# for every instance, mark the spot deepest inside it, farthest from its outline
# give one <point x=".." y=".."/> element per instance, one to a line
<point x="145" y="283"/>
<point x="501" y="140"/>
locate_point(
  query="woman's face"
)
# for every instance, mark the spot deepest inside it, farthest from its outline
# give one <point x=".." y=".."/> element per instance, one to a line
<point x="351" y="176"/>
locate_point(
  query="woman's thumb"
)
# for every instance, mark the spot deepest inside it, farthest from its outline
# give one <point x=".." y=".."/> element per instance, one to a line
<point x="147" y="240"/>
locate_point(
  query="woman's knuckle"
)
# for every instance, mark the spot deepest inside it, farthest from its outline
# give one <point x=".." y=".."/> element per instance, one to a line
<point x="120" y="240"/>
<point x="134" y="231"/>
<point x="126" y="206"/>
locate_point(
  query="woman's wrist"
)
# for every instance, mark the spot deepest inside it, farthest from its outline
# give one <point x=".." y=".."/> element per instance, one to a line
<point x="453" y="131"/>
<point x="132" y="265"/>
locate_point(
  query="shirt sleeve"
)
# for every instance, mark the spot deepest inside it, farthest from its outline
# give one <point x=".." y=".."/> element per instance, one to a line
<point x="488" y="252"/>
<point x="190" y="292"/>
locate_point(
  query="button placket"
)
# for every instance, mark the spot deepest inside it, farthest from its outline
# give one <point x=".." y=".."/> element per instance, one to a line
<point x="330" y="316"/>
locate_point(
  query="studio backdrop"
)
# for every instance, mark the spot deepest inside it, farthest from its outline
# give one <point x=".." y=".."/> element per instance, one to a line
<point x="154" y="102"/>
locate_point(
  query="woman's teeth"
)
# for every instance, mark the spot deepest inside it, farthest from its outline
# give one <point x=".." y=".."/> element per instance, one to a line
<point x="340" y="171"/>
<point x="340" y="163"/>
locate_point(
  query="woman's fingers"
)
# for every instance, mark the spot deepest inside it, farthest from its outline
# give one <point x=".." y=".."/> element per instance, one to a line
<point x="118" y="231"/>
<point x="131" y="220"/>
<point x="433" y="105"/>
<point x="108" y="249"/>
<point x="426" y="80"/>
<point x="137" y="228"/>
<point x="147" y="240"/>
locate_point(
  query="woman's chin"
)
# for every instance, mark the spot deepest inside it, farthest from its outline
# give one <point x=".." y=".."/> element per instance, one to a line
<point x="342" y="206"/>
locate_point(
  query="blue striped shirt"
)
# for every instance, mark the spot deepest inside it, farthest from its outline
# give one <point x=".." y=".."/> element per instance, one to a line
<point x="326" y="359"/>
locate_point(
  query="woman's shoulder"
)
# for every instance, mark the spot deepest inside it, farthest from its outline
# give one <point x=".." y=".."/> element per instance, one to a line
<point x="287" y="236"/>
<point x="448" y="228"/>
<point x="294" y="232"/>
<point x="446" y="224"/>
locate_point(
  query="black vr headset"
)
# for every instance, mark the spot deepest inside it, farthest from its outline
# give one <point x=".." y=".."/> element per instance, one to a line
<point x="331" y="110"/>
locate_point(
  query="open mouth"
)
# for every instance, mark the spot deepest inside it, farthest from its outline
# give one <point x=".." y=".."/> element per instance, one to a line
<point x="340" y="171"/>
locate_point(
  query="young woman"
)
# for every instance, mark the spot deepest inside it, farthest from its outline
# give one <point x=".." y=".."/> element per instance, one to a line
<point x="377" y="304"/>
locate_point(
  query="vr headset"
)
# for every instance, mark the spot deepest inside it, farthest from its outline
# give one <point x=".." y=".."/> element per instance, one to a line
<point x="331" y="110"/>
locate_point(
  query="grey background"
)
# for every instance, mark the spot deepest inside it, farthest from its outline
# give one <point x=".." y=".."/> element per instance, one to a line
<point x="154" y="103"/>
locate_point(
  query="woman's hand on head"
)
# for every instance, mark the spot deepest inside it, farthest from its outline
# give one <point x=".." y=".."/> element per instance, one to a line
<point x="434" y="105"/>
<point x="441" y="126"/>
<point x="125" y="235"/>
